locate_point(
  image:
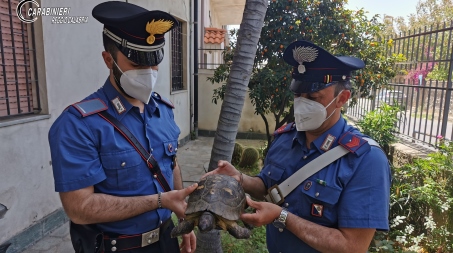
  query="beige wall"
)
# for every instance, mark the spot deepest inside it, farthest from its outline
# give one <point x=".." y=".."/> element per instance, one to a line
<point x="209" y="112"/>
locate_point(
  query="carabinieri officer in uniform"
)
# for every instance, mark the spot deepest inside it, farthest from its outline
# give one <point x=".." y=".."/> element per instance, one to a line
<point x="118" y="198"/>
<point x="331" y="204"/>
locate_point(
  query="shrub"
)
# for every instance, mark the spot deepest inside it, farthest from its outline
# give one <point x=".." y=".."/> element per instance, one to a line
<point x="237" y="154"/>
<point x="422" y="202"/>
<point x="421" y="195"/>
<point x="263" y="152"/>
<point x="381" y="125"/>
<point x="249" y="158"/>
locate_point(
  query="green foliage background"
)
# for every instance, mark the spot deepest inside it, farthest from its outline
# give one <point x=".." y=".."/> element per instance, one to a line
<point x="421" y="200"/>
<point x="326" y="23"/>
<point x="381" y="124"/>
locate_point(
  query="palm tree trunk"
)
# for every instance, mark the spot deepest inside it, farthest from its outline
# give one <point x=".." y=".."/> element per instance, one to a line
<point x="236" y="91"/>
<point x="237" y="84"/>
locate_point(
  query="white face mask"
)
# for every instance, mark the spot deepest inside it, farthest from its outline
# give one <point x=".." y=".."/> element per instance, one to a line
<point x="309" y="114"/>
<point x="138" y="83"/>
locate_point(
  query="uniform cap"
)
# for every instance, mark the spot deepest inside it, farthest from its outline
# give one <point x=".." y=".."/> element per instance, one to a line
<point x="137" y="32"/>
<point x="315" y="69"/>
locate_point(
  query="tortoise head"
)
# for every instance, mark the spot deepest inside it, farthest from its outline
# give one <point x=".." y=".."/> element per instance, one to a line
<point x="206" y="222"/>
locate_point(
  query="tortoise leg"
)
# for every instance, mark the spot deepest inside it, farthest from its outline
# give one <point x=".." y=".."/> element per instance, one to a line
<point x="183" y="228"/>
<point x="249" y="226"/>
<point x="237" y="231"/>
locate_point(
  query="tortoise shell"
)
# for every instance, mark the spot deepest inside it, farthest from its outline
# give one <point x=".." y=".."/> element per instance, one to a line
<point x="220" y="194"/>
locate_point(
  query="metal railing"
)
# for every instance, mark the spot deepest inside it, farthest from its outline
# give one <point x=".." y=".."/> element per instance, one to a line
<point x="19" y="89"/>
<point x="422" y="88"/>
<point x="210" y="58"/>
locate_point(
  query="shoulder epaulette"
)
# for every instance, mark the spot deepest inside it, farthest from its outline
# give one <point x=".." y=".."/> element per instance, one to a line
<point x="355" y="144"/>
<point x="89" y="107"/>
<point x="285" y="128"/>
<point x="158" y="97"/>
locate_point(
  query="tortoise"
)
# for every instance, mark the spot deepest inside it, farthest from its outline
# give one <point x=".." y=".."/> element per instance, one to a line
<point x="217" y="203"/>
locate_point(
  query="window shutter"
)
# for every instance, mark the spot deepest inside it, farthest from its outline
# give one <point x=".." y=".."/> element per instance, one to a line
<point x="16" y="95"/>
<point x="177" y="59"/>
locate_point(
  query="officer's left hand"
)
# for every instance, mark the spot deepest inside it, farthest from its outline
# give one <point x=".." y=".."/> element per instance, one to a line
<point x="189" y="243"/>
<point x="265" y="213"/>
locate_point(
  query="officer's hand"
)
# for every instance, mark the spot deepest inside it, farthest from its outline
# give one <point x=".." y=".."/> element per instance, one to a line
<point x="265" y="213"/>
<point x="175" y="200"/>
<point x="189" y="243"/>
<point x="225" y="168"/>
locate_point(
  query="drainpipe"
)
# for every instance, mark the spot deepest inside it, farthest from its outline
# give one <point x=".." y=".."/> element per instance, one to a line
<point x="195" y="72"/>
<point x="191" y="53"/>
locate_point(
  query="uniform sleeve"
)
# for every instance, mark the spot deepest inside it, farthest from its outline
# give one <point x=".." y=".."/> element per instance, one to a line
<point x="364" y="202"/>
<point x="75" y="158"/>
<point x="263" y="178"/>
<point x="273" y="170"/>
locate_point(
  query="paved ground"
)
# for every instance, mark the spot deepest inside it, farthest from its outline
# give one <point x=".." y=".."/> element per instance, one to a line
<point x="56" y="242"/>
<point x="191" y="158"/>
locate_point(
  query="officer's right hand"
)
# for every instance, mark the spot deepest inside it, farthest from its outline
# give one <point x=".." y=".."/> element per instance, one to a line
<point x="225" y="168"/>
<point x="175" y="200"/>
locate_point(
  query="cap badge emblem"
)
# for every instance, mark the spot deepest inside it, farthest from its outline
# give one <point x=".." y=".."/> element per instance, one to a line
<point x="157" y="27"/>
<point x="304" y="54"/>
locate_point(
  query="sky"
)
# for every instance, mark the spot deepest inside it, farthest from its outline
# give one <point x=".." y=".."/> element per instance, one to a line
<point x="393" y="8"/>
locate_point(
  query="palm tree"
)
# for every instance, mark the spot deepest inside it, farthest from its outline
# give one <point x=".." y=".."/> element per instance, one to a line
<point x="233" y="102"/>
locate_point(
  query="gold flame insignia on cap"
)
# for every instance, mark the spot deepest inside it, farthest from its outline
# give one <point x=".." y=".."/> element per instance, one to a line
<point x="157" y="27"/>
<point x="304" y="54"/>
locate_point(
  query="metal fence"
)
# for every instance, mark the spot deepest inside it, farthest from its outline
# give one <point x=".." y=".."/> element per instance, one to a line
<point x="423" y="86"/>
<point x="210" y="58"/>
<point x="19" y="90"/>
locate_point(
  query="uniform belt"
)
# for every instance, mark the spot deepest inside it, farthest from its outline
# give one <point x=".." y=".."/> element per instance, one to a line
<point x="114" y="242"/>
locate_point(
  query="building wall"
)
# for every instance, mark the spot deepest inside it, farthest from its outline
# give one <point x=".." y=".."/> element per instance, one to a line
<point x="211" y="19"/>
<point x="209" y="53"/>
<point x="70" y="67"/>
<point x="204" y="17"/>
<point x="181" y="9"/>
<point x="209" y="113"/>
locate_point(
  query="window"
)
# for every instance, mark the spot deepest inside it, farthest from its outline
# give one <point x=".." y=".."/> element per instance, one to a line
<point x="16" y="73"/>
<point x="177" y="68"/>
